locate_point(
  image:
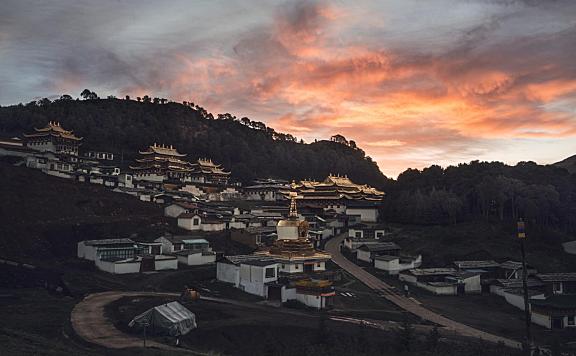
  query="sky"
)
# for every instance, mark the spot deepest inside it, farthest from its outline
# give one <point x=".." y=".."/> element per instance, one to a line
<point x="413" y="82"/>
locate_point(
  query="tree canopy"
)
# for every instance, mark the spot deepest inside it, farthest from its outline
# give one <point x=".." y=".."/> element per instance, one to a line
<point x="248" y="148"/>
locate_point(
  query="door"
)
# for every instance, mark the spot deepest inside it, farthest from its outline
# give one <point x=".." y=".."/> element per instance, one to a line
<point x="147" y="264"/>
<point x="557" y="323"/>
<point x="461" y="289"/>
<point x="275" y="292"/>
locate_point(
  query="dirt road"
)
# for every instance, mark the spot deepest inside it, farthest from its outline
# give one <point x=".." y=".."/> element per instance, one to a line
<point x="390" y="293"/>
<point x="90" y="323"/>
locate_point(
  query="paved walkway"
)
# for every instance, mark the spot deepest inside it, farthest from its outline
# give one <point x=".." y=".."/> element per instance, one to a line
<point x="390" y="293"/>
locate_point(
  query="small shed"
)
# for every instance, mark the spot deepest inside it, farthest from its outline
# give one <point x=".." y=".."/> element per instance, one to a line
<point x="167" y="319"/>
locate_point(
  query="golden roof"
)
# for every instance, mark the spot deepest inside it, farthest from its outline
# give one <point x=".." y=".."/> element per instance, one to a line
<point x="54" y="129"/>
<point x="335" y="187"/>
<point x="162" y="150"/>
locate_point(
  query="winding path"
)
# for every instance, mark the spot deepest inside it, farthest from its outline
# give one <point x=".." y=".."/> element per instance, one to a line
<point x="90" y="323"/>
<point x="390" y="293"/>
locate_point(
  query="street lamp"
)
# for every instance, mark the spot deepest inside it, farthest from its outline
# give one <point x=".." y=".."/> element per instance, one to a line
<point x="522" y="237"/>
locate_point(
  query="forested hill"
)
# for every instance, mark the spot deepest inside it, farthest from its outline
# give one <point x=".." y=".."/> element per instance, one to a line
<point x="544" y="196"/>
<point x="569" y="164"/>
<point x="247" y="148"/>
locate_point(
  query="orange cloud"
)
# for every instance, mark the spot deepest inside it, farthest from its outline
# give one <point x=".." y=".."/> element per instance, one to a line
<point x="405" y="109"/>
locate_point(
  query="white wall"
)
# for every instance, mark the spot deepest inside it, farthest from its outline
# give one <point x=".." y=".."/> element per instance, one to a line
<point x="253" y="279"/>
<point x="394" y="267"/>
<point x="320" y="266"/>
<point x="472" y="285"/>
<point x="118" y="268"/>
<point x="173" y="210"/>
<point x="312" y="301"/>
<point x="164" y="264"/>
<point x="86" y="252"/>
<point x="213" y="227"/>
<point x="542" y="320"/>
<point x="197" y="259"/>
<point x="228" y="273"/>
<point x="188" y="223"/>
<point x="288" y="294"/>
<point x="352" y="233"/>
<point x="363" y="256"/>
<point x="438" y="290"/>
<point x="294" y="267"/>
<point x="366" y="214"/>
<point x="149" y="177"/>
<point x="287" y="232"/>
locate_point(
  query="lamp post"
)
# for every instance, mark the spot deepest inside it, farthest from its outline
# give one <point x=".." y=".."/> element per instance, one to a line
<point x="522" y="237"/>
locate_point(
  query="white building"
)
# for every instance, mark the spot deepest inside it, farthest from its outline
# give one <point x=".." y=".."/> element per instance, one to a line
<point x="251" y="274"/>
<point x="443" y="281"/>
<point x="123" y="248"/>
<point x="367" y="252"/>
<point x="292" y="255"/>
<point x="178" y="208"/>
<point x="196" y="222"/>
<point x="395" y="264"/>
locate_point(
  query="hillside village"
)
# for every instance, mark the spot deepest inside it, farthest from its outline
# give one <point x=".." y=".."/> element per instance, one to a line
<point x="290" y="229"/>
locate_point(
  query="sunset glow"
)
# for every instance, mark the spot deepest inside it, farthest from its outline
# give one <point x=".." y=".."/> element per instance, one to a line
<point x="414" y="83"/>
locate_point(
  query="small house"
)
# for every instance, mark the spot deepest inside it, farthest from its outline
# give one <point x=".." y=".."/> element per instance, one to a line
<point x="367" y="252"/>
<point x="122" y="248"/>
<point x="514" y="270"/>
<point x="363" y="231"/>
<point x="250" y="273"/>
<point x="395" y="264"/>
<point x="197" y="222"/>
<point x="443" y="281"/>
<point x="557" y="309"/>
<point x="176" y="209"/>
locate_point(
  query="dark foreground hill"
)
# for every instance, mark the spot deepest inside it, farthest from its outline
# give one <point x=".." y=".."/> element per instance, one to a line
<point x="249" y="149"/>
<point x="42" y="217"/>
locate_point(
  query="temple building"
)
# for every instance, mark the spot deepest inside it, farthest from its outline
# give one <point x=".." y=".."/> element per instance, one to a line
<point x="206" y="171"/>
<point x="335" y="188"/>
<point x="159" y="163"/>
<point x="360" y="202"/>
<point x="291" y="269"/>
<point x="53" y="138"/>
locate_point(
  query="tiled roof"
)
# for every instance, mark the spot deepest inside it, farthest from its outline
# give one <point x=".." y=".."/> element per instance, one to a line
<point x="476" y="264"/>
<point x="557" y="277"/>
<point x="108" y="242"/>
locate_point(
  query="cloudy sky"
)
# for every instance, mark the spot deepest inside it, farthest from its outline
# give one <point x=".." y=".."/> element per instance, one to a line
<point x="413" y="82"/>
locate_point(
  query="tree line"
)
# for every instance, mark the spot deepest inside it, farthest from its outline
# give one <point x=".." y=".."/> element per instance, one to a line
<point x="544" y="196"/>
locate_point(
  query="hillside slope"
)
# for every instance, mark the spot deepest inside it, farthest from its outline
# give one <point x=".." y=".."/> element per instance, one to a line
<point x="42" y="217"/>
<point x="248" y="149"/>
<point x="569" y="164"/>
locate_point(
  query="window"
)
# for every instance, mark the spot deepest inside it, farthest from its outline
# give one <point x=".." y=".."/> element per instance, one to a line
<point x="270" y="272"/>
<point x="557" y="287"/>
<point x="358" y="234"/>
<point x="318" y="265"/>
<point x="283" y="266"/>
<point x="571" y="320"/>
<point x="196" y="222"/>
<point x="296" y="267"/>
<point x="379" y="234"/>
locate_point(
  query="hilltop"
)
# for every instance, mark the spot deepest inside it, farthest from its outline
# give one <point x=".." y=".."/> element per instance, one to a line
<point x="247" y="148"/>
